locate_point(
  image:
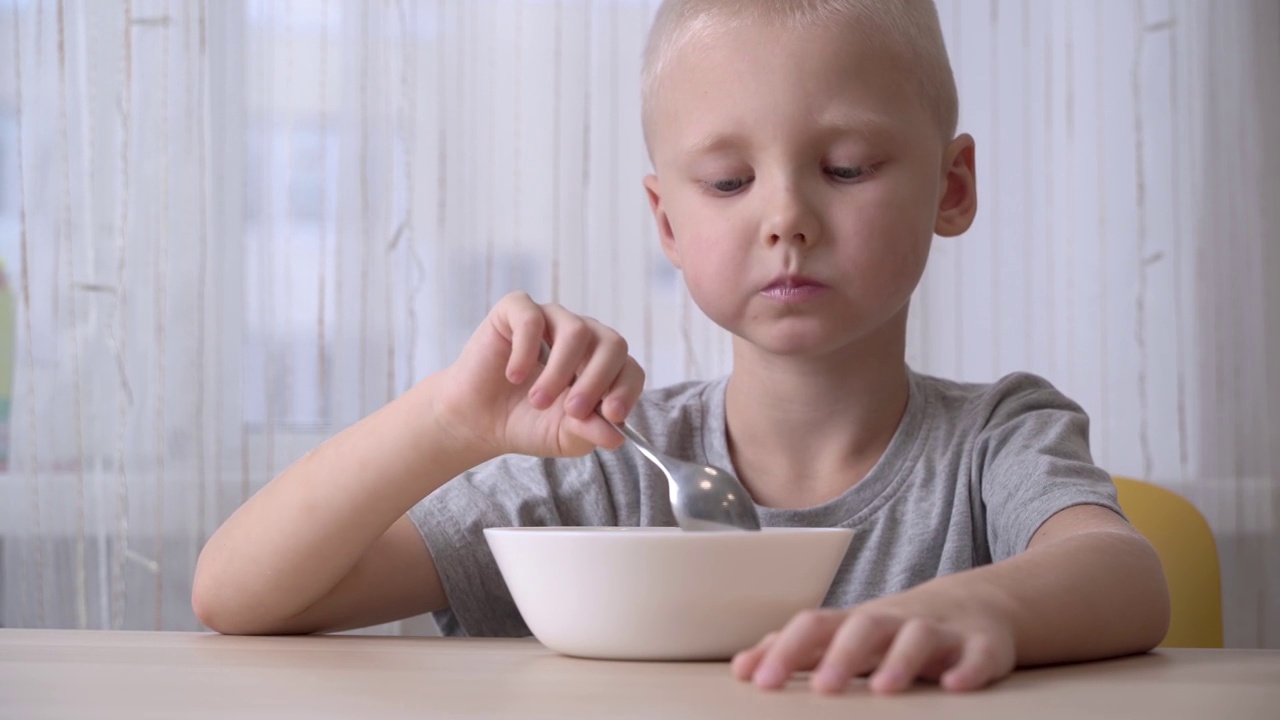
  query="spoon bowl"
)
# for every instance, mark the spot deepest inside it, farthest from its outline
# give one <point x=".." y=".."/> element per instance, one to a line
<point x="703" y="497"/>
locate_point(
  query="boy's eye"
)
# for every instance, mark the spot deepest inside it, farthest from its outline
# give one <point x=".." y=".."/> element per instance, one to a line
<point x="728" y="185"/>
<point x="847" y="173"/>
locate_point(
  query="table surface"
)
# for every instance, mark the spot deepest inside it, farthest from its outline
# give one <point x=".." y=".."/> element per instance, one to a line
<point x="96" y="674"/>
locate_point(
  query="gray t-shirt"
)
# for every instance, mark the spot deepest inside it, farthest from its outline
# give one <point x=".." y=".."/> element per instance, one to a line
<point x="969" y="476"/>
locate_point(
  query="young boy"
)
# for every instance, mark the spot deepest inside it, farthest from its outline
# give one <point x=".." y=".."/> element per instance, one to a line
<point x="805" y="156"/>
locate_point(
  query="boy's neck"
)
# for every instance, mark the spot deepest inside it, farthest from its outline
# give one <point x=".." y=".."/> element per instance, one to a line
<point x="803" y="431"/>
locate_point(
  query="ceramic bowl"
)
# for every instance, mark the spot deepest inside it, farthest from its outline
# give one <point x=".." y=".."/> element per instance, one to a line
<point x="663" y="593"/>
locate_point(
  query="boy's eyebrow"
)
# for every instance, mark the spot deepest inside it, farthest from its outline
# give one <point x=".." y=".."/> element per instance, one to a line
<point x="714" y="142"/>
<point x="873" y="126"/>
<point x="860" y="124"/>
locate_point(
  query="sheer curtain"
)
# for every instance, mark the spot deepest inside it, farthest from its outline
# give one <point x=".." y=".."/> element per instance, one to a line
<point x="230" y="229"/>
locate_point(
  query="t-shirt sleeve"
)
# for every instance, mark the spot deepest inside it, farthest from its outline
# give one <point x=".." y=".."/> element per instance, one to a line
<point x="1034" y="459"/>
<point x="511" y="491"/>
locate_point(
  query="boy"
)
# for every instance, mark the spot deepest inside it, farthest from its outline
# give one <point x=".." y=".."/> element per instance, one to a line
<point x="805" y="156"/>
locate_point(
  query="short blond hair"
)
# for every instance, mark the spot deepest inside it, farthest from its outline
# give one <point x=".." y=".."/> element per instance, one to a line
<point x="909" y="26"/>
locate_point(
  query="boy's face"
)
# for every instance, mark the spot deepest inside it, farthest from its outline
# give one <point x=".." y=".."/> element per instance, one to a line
<point x="799" y="182"/>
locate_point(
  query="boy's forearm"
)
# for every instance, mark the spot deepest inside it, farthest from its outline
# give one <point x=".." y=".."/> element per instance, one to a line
<point x="1089" y="596"/>
<point x="301" y="534"/>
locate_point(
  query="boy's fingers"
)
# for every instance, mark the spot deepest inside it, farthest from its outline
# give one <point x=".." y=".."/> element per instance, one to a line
<point x="917" y="643"/>
<point x="595" y="431"/>
<point x="745" y="663"/>
<point x="856" y="649"/>
<point x="799" y="647"/>
<point x="571" y="339"/>
<point x="520" y="320"/>
<point x="981" y="662"/>
<point x="625" y="393"/>
<point x="608" y="356"/>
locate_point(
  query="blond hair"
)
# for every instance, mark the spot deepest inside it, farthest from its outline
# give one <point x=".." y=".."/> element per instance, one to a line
<point x="910" y="27"/>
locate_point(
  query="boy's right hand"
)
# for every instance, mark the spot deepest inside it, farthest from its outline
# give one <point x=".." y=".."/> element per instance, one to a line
<point x="500" y="399"/>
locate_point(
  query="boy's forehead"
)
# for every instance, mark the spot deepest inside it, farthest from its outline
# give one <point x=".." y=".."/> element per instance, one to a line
<point x="851" y="47"/>
<point x="697" y="45"/>
<point x="829" y="80"/>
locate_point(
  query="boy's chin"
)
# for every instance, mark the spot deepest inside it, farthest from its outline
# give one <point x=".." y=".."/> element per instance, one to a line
<point x="795" y="344"/>
<point x="817" y="341"/>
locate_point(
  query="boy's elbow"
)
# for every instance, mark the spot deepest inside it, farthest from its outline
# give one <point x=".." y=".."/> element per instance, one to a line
<point x="1161" y="618"/>
<point x="210" y="610"/>
<point x="1159" y="632"/>
<point x="222" y="617"/>
<point x="229" y="616"/>
<point x="218" y="613"/>
<point x="1156" y="622"/>
<point x="1155" y="606"/>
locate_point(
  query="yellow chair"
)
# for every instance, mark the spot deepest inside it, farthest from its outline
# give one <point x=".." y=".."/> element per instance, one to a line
<point x="1187" y="550"/>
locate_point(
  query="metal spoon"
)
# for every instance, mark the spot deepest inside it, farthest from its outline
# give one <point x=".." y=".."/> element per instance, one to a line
<point x="703" y="497"/>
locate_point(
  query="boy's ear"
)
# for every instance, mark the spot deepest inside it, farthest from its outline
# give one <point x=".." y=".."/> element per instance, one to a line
<point x="958" y="201"/>
<point x="665" y="235"/>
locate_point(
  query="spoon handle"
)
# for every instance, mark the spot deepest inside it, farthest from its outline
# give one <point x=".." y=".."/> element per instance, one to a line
<point x="641" y="443"/>
<point x="628" y="432"/>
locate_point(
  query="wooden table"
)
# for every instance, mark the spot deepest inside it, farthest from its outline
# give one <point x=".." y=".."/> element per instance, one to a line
<point x="104" y="675"/>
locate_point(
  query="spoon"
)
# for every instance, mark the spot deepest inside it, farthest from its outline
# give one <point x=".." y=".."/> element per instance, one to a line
<point x="703" y="497"/>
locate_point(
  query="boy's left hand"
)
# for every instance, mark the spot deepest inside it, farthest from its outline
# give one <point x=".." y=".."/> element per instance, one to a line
<point x="961" y="644"/>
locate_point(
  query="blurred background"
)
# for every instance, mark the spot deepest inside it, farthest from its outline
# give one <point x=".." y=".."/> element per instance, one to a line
<point x="230" y="228"/>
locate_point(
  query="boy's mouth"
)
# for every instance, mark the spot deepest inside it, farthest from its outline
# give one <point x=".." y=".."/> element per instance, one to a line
<point x="792" y="288"/>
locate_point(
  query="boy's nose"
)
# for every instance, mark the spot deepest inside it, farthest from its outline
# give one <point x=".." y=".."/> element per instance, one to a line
<point x="791" y="221"/>
<point x="798" y="238"/>
<point x="795" y="227"/>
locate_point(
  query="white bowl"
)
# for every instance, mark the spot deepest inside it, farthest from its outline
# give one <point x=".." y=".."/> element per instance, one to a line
<point x="663" y="593"/>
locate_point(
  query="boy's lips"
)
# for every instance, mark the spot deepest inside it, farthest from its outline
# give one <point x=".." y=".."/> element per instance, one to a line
<point x="792" y="288"/>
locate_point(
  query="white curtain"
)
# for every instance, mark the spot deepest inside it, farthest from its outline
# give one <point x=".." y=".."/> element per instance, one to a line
<point x="231" y="228"/>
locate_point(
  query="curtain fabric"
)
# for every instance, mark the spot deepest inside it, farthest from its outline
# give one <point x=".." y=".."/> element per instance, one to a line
<point x="229" y="229"/>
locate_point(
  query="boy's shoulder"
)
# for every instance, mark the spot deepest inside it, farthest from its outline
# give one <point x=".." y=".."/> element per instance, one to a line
<point x="979" y="406"/>
<point x="678" y="414"/>
<point x="1014" y="383"/>
<point x="1015" y="392"/>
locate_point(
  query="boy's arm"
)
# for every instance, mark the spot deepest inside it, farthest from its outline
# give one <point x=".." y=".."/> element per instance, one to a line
<point x="1087" y="587"/>
<point x="326" y="545"/>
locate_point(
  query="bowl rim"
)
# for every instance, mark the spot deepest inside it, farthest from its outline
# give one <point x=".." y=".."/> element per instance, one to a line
<point x="616" y="531"/>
